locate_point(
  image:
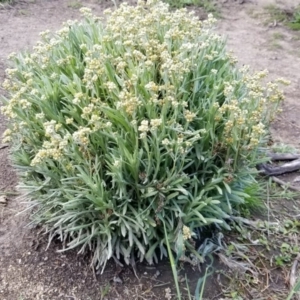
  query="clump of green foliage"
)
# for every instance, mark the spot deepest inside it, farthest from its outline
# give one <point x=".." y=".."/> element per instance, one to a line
<point x="294" y="22"/>
<point x="119" y="127"/>
<point x="290" y="18"/>
<point x="209" y="6"/>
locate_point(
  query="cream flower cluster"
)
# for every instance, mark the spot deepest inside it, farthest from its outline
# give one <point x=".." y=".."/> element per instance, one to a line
<point x="137" y="42"/>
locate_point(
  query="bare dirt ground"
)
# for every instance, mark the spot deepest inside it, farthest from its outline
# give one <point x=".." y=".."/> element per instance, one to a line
<point x="254" y="45"/>
<point x="27" y="271"/>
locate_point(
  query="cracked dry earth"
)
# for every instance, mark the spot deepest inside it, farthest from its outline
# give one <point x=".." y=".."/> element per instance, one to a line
<point x="27" y="271"/>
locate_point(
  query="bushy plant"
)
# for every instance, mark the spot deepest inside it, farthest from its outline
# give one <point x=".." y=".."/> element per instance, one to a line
<point x="120" y="127"/>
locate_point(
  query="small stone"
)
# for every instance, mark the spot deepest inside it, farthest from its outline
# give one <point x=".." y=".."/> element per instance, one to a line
<point x="117" y="279"/>
<point x="297" y="179"/>
<point x="3" y="200"/>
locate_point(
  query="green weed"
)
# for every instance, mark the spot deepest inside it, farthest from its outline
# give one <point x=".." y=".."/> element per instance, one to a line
<point x="294" y="291"/>
<point x="283" y="148"/>
<point x="208" y="5"/>
<point x="118" y="126"/>
<point x="276" y="14"/>
<point x="75" y="4"/>
<point x="290" y="19"/>
<point x="294" y="22"/>
<point x="199" y="292"/>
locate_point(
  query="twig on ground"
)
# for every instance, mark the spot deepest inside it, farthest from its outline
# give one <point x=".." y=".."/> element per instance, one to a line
<point x="236" y="266"/>
<point x="285" y="184"/>
<point x="9" y="193"/>
<point x="161" y="284"/>
<point x="255" y="224"/>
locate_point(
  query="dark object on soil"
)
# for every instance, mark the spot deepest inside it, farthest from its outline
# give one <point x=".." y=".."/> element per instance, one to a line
<point x="3" y="146"/>
<point x="269" y="170"/>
